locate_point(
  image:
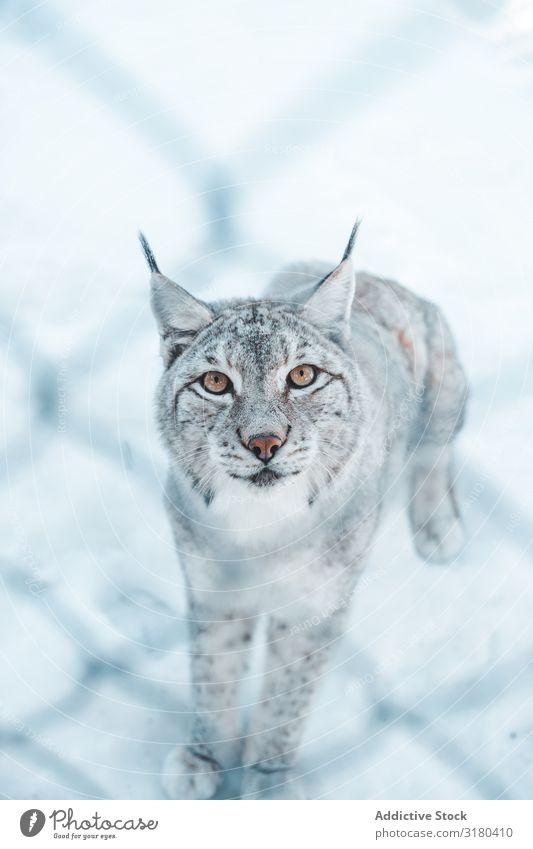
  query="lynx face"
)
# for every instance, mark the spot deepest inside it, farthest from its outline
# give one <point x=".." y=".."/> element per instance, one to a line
<point x="260" y="396"/>
<point x="262" y="393"/>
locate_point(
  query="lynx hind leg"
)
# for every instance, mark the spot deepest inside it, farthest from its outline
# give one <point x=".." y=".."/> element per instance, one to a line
<point x="433" y="508"/>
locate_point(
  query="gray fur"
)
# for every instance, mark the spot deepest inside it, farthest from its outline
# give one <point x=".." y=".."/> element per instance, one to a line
<point x="290" y="541"/>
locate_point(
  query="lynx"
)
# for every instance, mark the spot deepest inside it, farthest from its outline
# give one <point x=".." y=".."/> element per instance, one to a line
<point x="287" y="421"/>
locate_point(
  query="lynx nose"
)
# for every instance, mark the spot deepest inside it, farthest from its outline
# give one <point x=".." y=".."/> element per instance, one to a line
<point x="264" y="447"/>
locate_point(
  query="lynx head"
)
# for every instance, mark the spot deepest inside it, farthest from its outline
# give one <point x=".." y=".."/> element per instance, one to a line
<point x="261" y="395"/>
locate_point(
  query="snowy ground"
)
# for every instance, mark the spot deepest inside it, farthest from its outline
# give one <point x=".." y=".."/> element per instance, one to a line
<point x="240" y="135"/>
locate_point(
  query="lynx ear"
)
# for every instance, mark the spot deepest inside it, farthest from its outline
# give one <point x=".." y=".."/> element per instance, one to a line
<point x="329" y="307"/>
<point x="178" y="314"/>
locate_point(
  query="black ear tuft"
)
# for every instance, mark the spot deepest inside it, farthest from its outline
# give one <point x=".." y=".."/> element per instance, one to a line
<point x="351" y="240"/>
<point x="147" y="250"/>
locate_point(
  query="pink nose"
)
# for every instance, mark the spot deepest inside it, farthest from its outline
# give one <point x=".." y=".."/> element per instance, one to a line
<point x="264" y="447"/>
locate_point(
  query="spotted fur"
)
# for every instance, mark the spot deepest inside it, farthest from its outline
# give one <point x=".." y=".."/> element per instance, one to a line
<point x="289" y="540"/>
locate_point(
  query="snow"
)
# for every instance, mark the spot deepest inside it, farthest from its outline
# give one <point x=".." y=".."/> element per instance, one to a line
<point x="239" y="136"/>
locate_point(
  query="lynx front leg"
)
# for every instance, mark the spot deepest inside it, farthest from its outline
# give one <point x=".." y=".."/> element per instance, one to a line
<point x="296" y="658"/>
<point x="219" y="660"/>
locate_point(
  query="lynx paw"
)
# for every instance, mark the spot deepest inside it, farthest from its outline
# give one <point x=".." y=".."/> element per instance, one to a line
<point x="270" y="785"/>
<point x="188" y="776"/>
<point x="441" y="538"/>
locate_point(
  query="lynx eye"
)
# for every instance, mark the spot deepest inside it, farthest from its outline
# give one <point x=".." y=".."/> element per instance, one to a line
<point x="216" y="382"/>
<point x="302" y="376"/>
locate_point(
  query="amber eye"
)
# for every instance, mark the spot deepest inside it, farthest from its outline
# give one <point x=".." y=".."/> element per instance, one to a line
<point x="302" y="376"/>
<point x="216" y="382"/>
